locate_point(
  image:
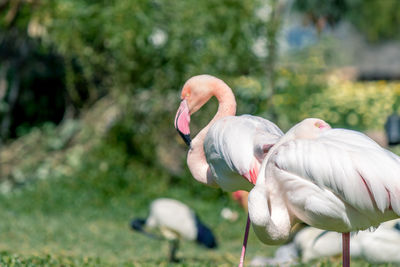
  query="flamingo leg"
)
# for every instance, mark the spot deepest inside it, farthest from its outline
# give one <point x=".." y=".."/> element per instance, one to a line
<point x="174" y="244"/>
<point x="346" y="249"/>
<point x="246" y="235"/>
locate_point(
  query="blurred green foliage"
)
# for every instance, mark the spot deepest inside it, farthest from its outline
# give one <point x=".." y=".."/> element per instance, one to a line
<point x="132" y="45"/>
<point x="355" y="105"/>
<point x="376" y="19"/>
<point x="141" y="52"/>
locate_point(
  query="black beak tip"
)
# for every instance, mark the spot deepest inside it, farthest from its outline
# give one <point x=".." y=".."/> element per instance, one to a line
<point x="185" y="137"/>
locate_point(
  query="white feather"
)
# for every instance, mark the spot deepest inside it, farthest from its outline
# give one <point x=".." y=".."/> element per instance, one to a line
<point x="234" y="144"/>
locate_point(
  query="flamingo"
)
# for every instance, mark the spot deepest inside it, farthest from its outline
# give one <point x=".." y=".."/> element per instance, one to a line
<point x="175" y="221"/>
<point x="333" y="179"/>
<point x="229" y="150"/>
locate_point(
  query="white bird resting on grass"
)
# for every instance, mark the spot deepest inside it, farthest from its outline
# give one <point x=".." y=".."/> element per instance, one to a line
<point x="174" y="221"/>
<point x="333" y="179"/>
<point x="381" y="246"/>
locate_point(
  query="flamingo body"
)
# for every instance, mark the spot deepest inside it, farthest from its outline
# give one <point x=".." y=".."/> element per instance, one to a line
<point x="234" y="148"/>
<point x="347" y="182"/>
<point x="332" y="179"/>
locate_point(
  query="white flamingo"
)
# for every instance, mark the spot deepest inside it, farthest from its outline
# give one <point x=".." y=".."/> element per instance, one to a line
<point x="175" y="221"/>
<point x="333" y="179"/>
<point x="229" y="150"/>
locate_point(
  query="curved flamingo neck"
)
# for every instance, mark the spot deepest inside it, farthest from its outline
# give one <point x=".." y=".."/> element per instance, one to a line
<point x="269" y="216"/>
<point x="226" y="106"/>
<point x="196" y="159"/>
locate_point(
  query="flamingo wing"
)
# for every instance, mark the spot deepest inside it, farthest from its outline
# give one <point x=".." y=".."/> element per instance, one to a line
<point x="235" y="146"/>
<point x="340" y="181"/>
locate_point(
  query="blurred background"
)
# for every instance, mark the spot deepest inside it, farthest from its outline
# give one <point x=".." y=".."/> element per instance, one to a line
<point x="89" y="91"/>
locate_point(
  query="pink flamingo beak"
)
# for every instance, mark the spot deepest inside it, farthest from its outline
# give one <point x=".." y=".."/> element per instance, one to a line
<point x="182" y="121"/>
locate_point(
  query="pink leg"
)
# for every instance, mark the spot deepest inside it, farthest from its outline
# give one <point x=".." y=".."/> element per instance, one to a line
<point x="346" y="249"/>
<point x="246" y="235"/>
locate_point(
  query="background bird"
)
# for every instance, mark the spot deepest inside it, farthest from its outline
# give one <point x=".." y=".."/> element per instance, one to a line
<point x="332" y="179"/>
<point x="174" y="221"/>
<point x="229" y="150"/>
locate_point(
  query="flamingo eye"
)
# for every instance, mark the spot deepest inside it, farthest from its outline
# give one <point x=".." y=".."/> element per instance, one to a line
<point x="185" y="95"/>
<point x="321" y="124"/>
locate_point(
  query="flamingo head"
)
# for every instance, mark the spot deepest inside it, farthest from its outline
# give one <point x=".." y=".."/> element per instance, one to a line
<point x="309" y="128"/>
<point x="195" y="93"/>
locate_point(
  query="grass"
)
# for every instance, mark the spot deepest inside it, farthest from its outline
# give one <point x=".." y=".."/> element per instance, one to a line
<point x="52" y="221"/>
<point x="83" y="220"/>
<point x="53" y="218"/>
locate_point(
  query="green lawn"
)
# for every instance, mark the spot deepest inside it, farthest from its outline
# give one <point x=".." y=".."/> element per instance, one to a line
<point x="57" y="222"/>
